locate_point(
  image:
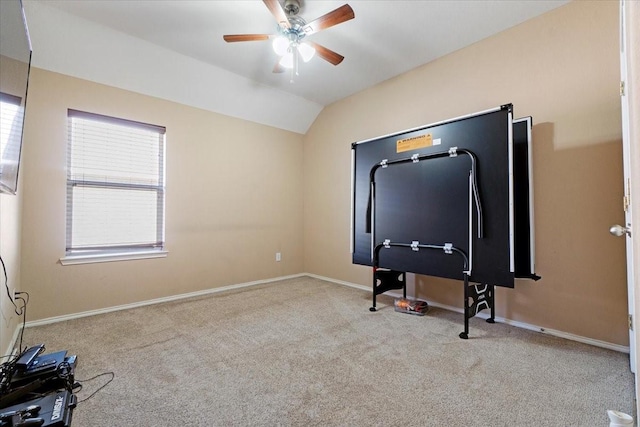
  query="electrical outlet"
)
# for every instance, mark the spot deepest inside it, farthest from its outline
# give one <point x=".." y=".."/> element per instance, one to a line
<point x="278" y="257"/>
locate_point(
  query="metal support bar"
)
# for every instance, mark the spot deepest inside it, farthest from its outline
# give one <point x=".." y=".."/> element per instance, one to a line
<point x="476" y="297"/>
<point x="377" y="289"/>
<point x="452" y="152"/>
<point x="448" y="248"/>
<point x="385" y="280"/>
<point x="465" y="334"/>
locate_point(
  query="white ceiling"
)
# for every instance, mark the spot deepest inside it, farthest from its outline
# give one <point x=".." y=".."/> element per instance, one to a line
<point x="386" y="39"/>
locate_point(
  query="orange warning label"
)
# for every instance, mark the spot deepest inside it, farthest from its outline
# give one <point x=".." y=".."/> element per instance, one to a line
<point x="414" y="143"/>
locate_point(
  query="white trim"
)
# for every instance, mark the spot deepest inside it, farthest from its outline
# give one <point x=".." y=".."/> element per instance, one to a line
<point x="512" y="249"/>
<point x="11" y="350"/>
<point x="560" y="334"/>
<point x="441" y="122"/>
<point x="553" y="332"/>
<point x="340" y="282"/>
<point x="353" y="202"/>
<point x="470" y="249"/>
<point x="532" y="231"/>
<point x="65" y="317"/>
<point x="124" y="256"/>
<point x="532" y="245"/>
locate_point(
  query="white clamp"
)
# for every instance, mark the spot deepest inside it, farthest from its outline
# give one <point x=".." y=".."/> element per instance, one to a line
<point x="414" y="246"/>
<point x="415" y="158"/>
<point x="453" y="151"/>
<point x="387" y="243"/>
<point x="384" y="163"/>
<point x="448" y="248"/>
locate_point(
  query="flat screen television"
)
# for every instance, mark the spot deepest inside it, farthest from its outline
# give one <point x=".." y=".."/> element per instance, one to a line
<point x="15" y="63"/>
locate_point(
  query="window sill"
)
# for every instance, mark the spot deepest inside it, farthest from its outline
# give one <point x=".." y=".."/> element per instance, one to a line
<point x="123" y="256"/>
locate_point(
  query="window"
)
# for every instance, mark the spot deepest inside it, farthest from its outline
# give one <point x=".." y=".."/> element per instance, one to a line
<point x="11" y="118"/>
<point x="115" y="187"/>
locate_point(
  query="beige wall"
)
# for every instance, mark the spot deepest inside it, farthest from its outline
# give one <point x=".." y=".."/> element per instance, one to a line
<point x="12" y="74"/>
<point x="10" y="210"/>
<point x="234" y="199"/>
<point x="562" y="68"/>
<point x="238" y="192"/>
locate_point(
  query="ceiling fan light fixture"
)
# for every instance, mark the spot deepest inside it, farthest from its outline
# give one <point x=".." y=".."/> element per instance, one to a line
<point x="292" y="29"/>
<point x="306" y="51"/>
<point x="280" y="45"/>
<point x="287" y="60"/>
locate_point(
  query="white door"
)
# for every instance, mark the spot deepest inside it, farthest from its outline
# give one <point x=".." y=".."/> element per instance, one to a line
<point x="631" y="105"/>
<point x="628" y="92"/>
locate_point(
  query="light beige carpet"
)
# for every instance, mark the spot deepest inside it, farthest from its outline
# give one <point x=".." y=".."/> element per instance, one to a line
<point x="308" y="352"/>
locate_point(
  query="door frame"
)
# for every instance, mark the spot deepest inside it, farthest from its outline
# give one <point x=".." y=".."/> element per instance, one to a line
<point x="630" y="72"/>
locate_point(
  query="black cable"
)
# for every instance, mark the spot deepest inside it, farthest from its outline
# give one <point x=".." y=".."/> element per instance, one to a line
<point x="17" y="296"/>
<point x="64" y="370"/>
<point x="6" y="285"/>
<point x="23" y="312"/>
<point x="113" y="375"/>
<point x="7" y="368"/>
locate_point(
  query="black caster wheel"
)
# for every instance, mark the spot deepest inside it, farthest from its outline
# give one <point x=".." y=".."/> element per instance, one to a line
<point x="372" y="309"/>
<point x="464" y="335"/>
<point x="491" y="320"/>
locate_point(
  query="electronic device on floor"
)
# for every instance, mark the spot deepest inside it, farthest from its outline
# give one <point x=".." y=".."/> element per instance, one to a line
<point x="37" y="389"/>
<point x="45" y="366"/>
<point x="52" y="410"/>
<point x="28" y="357"/>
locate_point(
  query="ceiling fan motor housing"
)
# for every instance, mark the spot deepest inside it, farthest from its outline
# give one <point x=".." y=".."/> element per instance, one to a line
<point x="292" y="7"/>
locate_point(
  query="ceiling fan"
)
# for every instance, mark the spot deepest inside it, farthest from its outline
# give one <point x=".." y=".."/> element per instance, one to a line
<point x="290" y="41"/>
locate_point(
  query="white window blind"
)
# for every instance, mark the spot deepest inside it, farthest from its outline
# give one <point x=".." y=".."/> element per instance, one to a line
<point x="11" y="118"/>
<point x="115" y="185"/>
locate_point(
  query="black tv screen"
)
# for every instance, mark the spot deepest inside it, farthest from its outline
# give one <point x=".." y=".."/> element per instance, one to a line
<point x="15" y="63"/>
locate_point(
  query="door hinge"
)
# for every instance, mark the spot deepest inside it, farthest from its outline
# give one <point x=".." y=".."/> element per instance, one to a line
<point x="631" y="322"/>
<point x="626" y="201"/>
<point x="622" y="88"/>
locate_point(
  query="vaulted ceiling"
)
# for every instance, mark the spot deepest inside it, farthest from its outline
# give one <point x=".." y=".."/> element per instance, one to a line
<point x="174" y="49"/>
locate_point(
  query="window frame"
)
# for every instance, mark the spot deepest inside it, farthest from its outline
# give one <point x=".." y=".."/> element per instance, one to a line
<point x="107" y="253"/>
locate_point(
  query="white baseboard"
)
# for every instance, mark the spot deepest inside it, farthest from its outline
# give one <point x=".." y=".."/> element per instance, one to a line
<point x="65" y="317"/>
<point x="523" y="325"/>
<point x="561" y="334"/>
<point x="341" y="282"/>
<point x="11" y="350"/>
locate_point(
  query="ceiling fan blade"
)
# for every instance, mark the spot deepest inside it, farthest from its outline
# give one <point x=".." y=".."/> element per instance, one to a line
<point x="278" y="12"/>
<point x="338" y="16"/>
<point x="230" y="38"/>
<point x="326" y="54"/>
